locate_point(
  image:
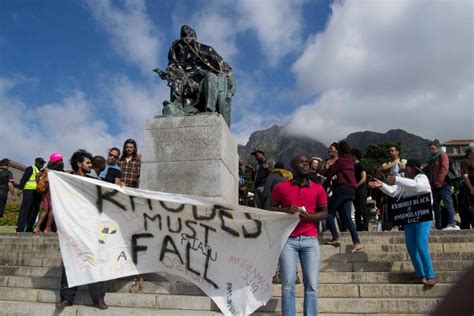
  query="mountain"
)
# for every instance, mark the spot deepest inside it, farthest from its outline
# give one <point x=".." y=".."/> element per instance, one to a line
<point x="413" y="146"/>
<point x="280" y="146"/>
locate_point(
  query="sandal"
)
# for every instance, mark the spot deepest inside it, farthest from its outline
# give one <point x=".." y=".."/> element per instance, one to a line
<point x="335" y="243"/>
<point x="357" y="248"/>
<point x="430" y="282"/>
<point x="417" y="281"/>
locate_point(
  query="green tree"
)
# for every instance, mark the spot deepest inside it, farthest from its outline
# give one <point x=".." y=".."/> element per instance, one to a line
<point x="376" y="155"/>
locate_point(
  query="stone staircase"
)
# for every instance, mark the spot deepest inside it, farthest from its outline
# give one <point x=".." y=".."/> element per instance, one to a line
<point x="373" y="282"/>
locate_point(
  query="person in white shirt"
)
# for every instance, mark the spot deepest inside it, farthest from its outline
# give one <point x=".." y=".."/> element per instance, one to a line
<point x="416" y="234"/>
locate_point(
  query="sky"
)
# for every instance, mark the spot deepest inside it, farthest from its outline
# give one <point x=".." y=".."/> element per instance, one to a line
<point x="78" y="74"/>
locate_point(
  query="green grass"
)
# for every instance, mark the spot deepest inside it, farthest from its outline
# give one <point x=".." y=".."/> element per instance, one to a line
<point x="10" y="215"/>
<point x="7" y="229"/>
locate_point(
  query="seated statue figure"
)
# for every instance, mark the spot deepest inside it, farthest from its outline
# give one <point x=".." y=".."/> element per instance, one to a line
<point x="199" y="79"/>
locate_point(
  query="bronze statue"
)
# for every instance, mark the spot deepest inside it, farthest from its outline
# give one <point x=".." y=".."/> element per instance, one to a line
<point x="199" y="79"/>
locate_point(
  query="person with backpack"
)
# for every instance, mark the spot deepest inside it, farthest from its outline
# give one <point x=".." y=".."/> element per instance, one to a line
<point x="42" y="186"/>
<point x="438" y="168"/>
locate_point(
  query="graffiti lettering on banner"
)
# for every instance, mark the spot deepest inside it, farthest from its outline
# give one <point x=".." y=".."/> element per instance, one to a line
<point x="108" y="232"/>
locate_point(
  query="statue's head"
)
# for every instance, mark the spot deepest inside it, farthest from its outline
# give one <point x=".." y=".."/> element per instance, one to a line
<point x="188" y="32"/>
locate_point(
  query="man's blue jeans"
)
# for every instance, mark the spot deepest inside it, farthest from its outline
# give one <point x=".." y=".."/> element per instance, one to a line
<point x="443" y="194"/>
<point x="307" y="250"/>
<point x="416" y="240"/>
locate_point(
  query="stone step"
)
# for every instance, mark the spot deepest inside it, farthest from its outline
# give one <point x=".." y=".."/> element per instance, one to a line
<point x="438" y="266"/>
<point x="397" y="248"/>
<point x="334" y="254"/>
<point x="324" y="276"/>
<point x="30" y="271"/>
<point x="184" y="302"/>
<point x="31" y="262"/>
<point x="345" y="248"/>
<point x="203" y="303"/>
<point x="392" y="256"/>
<point x="377" y="306"/>
<point x="184" y="288"/>
<point x="12" y="308"/>
<point x="381" y="240"/>
<point x="327" y="266"/>
<point x="463" y="236"/>
<point x="390" y="266"/>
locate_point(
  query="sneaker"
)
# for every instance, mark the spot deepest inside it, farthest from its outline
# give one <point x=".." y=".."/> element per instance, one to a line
<point x="63" y="304"/>
<point x="452" y="227"/>
<point x="101" y="305"/>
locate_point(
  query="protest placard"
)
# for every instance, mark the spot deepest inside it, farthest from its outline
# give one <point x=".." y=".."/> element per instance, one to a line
<point x="108" y="232"/>
<point x="410" y="210"/>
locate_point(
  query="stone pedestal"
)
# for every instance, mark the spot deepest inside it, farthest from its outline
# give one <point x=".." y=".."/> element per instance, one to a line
<point x="193" y="155"/>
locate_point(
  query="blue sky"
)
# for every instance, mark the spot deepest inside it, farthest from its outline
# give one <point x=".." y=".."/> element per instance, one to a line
<point x="78" y="74"/>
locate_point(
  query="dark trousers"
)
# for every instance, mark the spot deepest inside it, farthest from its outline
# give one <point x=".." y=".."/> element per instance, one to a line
<point x="341" y="203"/>
<point x="28" y="211"/>
<point x="258" y="196"/>
<point x="96" y="290"/>
<point x="466" y="208"/>
<point x="443" y="194"/>
<point x="387" y="220"/>
<point x="3" y="202"/>
<point x="361" y="211"/>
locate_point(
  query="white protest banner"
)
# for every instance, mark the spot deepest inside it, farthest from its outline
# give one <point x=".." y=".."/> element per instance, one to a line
<point x="107" y="232"/>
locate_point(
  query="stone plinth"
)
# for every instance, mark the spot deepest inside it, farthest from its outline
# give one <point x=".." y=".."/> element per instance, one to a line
<point x="193" y="155"/>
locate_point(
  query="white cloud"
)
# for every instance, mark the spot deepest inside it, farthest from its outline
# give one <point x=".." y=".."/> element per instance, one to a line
<point x="132" y="32"/>
<point x="65" y="126"/>
<point x="246" y="116"/>
<point x="277" y="24"/>
<point x="218" y="31"/>
<point x="252" y="121"/>
<point x="389" y="64"/>
<point x="134" y="104"/>
<point x="72" y="122"/>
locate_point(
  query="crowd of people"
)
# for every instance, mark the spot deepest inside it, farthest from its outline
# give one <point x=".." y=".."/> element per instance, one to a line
<point x="323" y="192"/>
<point x="120" y="167"/>
<point x="452" y="190"/>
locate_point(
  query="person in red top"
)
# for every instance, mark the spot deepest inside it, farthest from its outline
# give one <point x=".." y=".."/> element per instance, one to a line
<point x="438" y="165"/>
<point x="343" y="195"/>
<point x="308" y="200"/>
